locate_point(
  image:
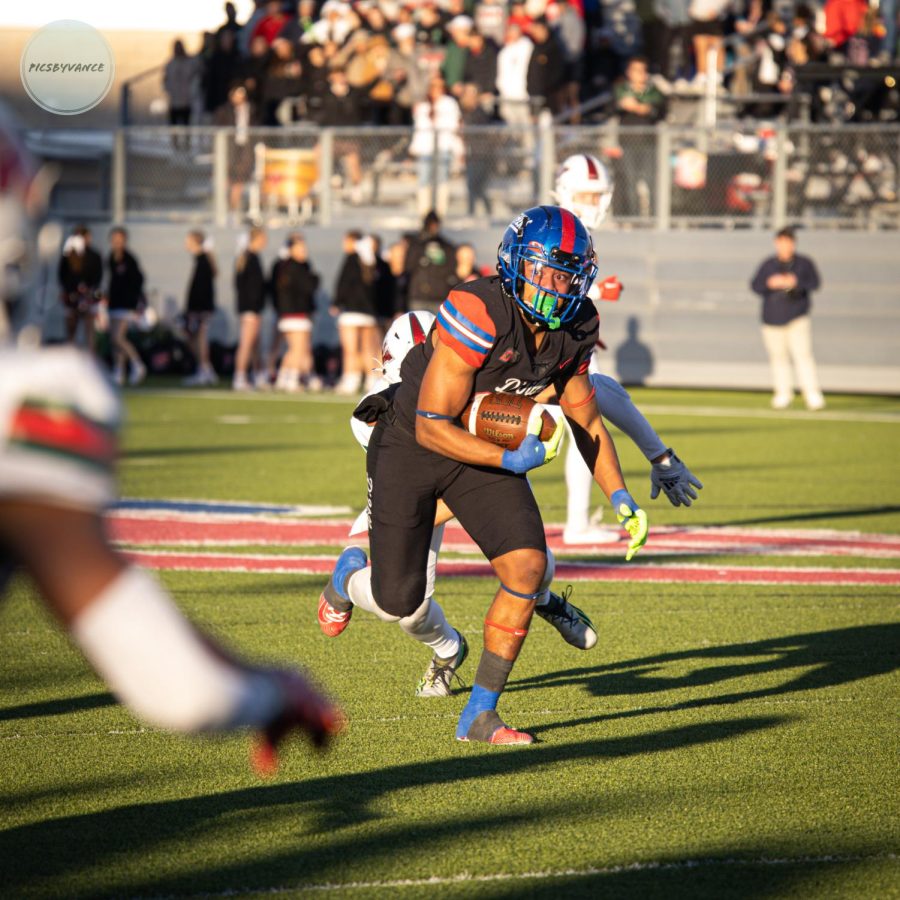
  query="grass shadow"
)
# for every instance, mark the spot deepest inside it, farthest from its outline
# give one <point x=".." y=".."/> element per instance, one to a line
<point x="70" y="846"/>
<point x="58" y="707"/>
<point x="826" y="658"/>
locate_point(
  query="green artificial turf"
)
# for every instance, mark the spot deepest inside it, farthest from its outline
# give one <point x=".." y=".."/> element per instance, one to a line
<point x="720" y="741"/>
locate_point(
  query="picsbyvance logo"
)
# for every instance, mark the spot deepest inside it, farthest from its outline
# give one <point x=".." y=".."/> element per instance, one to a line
<point x="67" y="67"/>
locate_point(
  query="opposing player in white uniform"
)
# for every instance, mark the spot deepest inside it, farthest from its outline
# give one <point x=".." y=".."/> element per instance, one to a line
<point x="59" y="419"/>
<point x="583" y="186"/>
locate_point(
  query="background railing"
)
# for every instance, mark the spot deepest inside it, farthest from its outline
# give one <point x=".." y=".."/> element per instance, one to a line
<point x="730" y="175"/>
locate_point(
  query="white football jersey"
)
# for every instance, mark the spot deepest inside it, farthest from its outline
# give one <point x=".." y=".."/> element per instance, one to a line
<point x="59" y="427"/>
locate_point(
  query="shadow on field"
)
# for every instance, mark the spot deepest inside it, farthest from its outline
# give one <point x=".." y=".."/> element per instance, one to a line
<point x="824" y="659"/>
<point x="57" y="707"/>
<point x="857" y="511"/>
<point x="76" y="849"/>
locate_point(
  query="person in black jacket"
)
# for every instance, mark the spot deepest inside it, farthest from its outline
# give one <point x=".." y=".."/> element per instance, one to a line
<point x="124" y="294"/>
<point x="428" y="269"/>
<point x="250" y="289"/>
<point x="355" y="307"/>
<point x="201" y="304"/>
<point x="547" y="67"/>
<point x="339" y="105"/>
<point x="295" y="300"/>
<point x="80" y="273"/>
<point x="785" y="281"/>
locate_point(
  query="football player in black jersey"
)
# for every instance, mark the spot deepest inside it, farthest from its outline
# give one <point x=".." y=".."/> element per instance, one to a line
<point x="525" y="331"/>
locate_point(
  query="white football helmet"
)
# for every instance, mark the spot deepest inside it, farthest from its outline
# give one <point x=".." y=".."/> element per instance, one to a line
<point x="403" y="334"/>
<point x="584" y="187"/>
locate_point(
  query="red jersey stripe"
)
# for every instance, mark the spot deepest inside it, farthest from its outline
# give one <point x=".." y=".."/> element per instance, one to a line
<point x="63" y="430"/>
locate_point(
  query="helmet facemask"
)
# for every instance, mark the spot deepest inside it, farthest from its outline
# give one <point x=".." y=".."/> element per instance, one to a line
<point x="547" y="306"/>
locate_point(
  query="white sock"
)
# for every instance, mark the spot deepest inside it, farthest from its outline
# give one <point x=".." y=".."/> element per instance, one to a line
<point x="161" y="668"/>
<point x="429" y="625"/>
<point x="578" y="488"/>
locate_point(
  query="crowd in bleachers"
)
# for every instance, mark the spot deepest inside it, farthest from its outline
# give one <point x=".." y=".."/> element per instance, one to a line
<point x="356" y="63"/>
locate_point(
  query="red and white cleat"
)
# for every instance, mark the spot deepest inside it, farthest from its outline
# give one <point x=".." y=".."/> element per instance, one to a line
<point x="506" y="735"/>
<point x="332" y="621"/>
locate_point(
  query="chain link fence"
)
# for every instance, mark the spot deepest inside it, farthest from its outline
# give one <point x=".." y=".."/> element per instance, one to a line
<point x="752" y="174"/>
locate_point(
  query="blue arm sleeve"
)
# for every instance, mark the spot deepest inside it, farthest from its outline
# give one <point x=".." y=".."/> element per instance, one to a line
<point x="616" y="406"/>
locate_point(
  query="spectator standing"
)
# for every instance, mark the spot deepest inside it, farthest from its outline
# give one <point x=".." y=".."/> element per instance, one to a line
<point x="385" y="294"/>
<point x="252" y="71"/>
<point x="282" y="86"/>
<point x="354" y="305"/>
<point x="568" y="27"/>
<point x="406" y="70"/>
<point x="843" y="19"/>
<point x="512" y="76"/>
<point x="481" y="66"/>
<point x="436" y="123"/>
<point x="546" y="76"/>
<point x="708" y="19"/>
<point x="490" y="20"/>
<point x="460" y="29"/>
<point x="295" y="300"/>
<point x="479" y="149"/>
<point x="297" y="29"/>
<point x="124" y="293"/>
<point x="239" y="114"/>
<point x="222" y="68"/>
<point x="669" y="27"/>
<point x="178" y="81"/>
<point x="785" y="282"/>
<point x="341" y="104"/>
<point x="201" y="304"/>
<point x="429" y="266"/>
<point x="80" y="273"/>
<point x="250" y="288"/>
<point x="269" y="25"/>
<point x="231" y="23"/>
<point x="638" y="103"/>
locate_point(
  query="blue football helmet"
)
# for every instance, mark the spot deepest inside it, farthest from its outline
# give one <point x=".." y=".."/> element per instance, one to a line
<point x="547" y="236"/>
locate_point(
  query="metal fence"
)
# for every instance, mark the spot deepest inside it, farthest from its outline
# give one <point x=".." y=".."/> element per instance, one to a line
<point x="750" y="174"/>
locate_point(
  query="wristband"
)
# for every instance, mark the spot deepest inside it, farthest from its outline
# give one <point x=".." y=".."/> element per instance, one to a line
<point x="622" y="496"/>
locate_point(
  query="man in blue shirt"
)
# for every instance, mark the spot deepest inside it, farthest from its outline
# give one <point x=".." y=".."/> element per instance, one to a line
<point x="785" y="282"/>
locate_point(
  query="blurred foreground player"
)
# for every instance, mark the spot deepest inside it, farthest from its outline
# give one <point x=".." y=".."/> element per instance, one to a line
<point x="527" y="332"/>
<point x="59" y="418"/>
<point x="585" y="188"/>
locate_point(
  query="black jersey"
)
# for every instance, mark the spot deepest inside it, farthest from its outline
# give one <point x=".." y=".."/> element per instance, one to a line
<point x="484" y="327"/>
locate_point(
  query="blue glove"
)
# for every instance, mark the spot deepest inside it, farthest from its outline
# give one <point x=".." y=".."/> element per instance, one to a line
<point x="530" y="454"/>
<point x="533" y="452"/>
<point x="632" y="518"/>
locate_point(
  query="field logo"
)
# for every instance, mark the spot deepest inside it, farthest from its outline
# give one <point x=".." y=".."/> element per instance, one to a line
<point x="67" y="67"/>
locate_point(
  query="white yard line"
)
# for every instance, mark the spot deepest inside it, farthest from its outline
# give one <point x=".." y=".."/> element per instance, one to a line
<point x="650" y="409"/>
<point x="736" y="412"/>
<point x="590" y="871"/>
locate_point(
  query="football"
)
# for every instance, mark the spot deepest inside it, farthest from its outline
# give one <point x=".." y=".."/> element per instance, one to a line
<point x="503" y="419"/>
